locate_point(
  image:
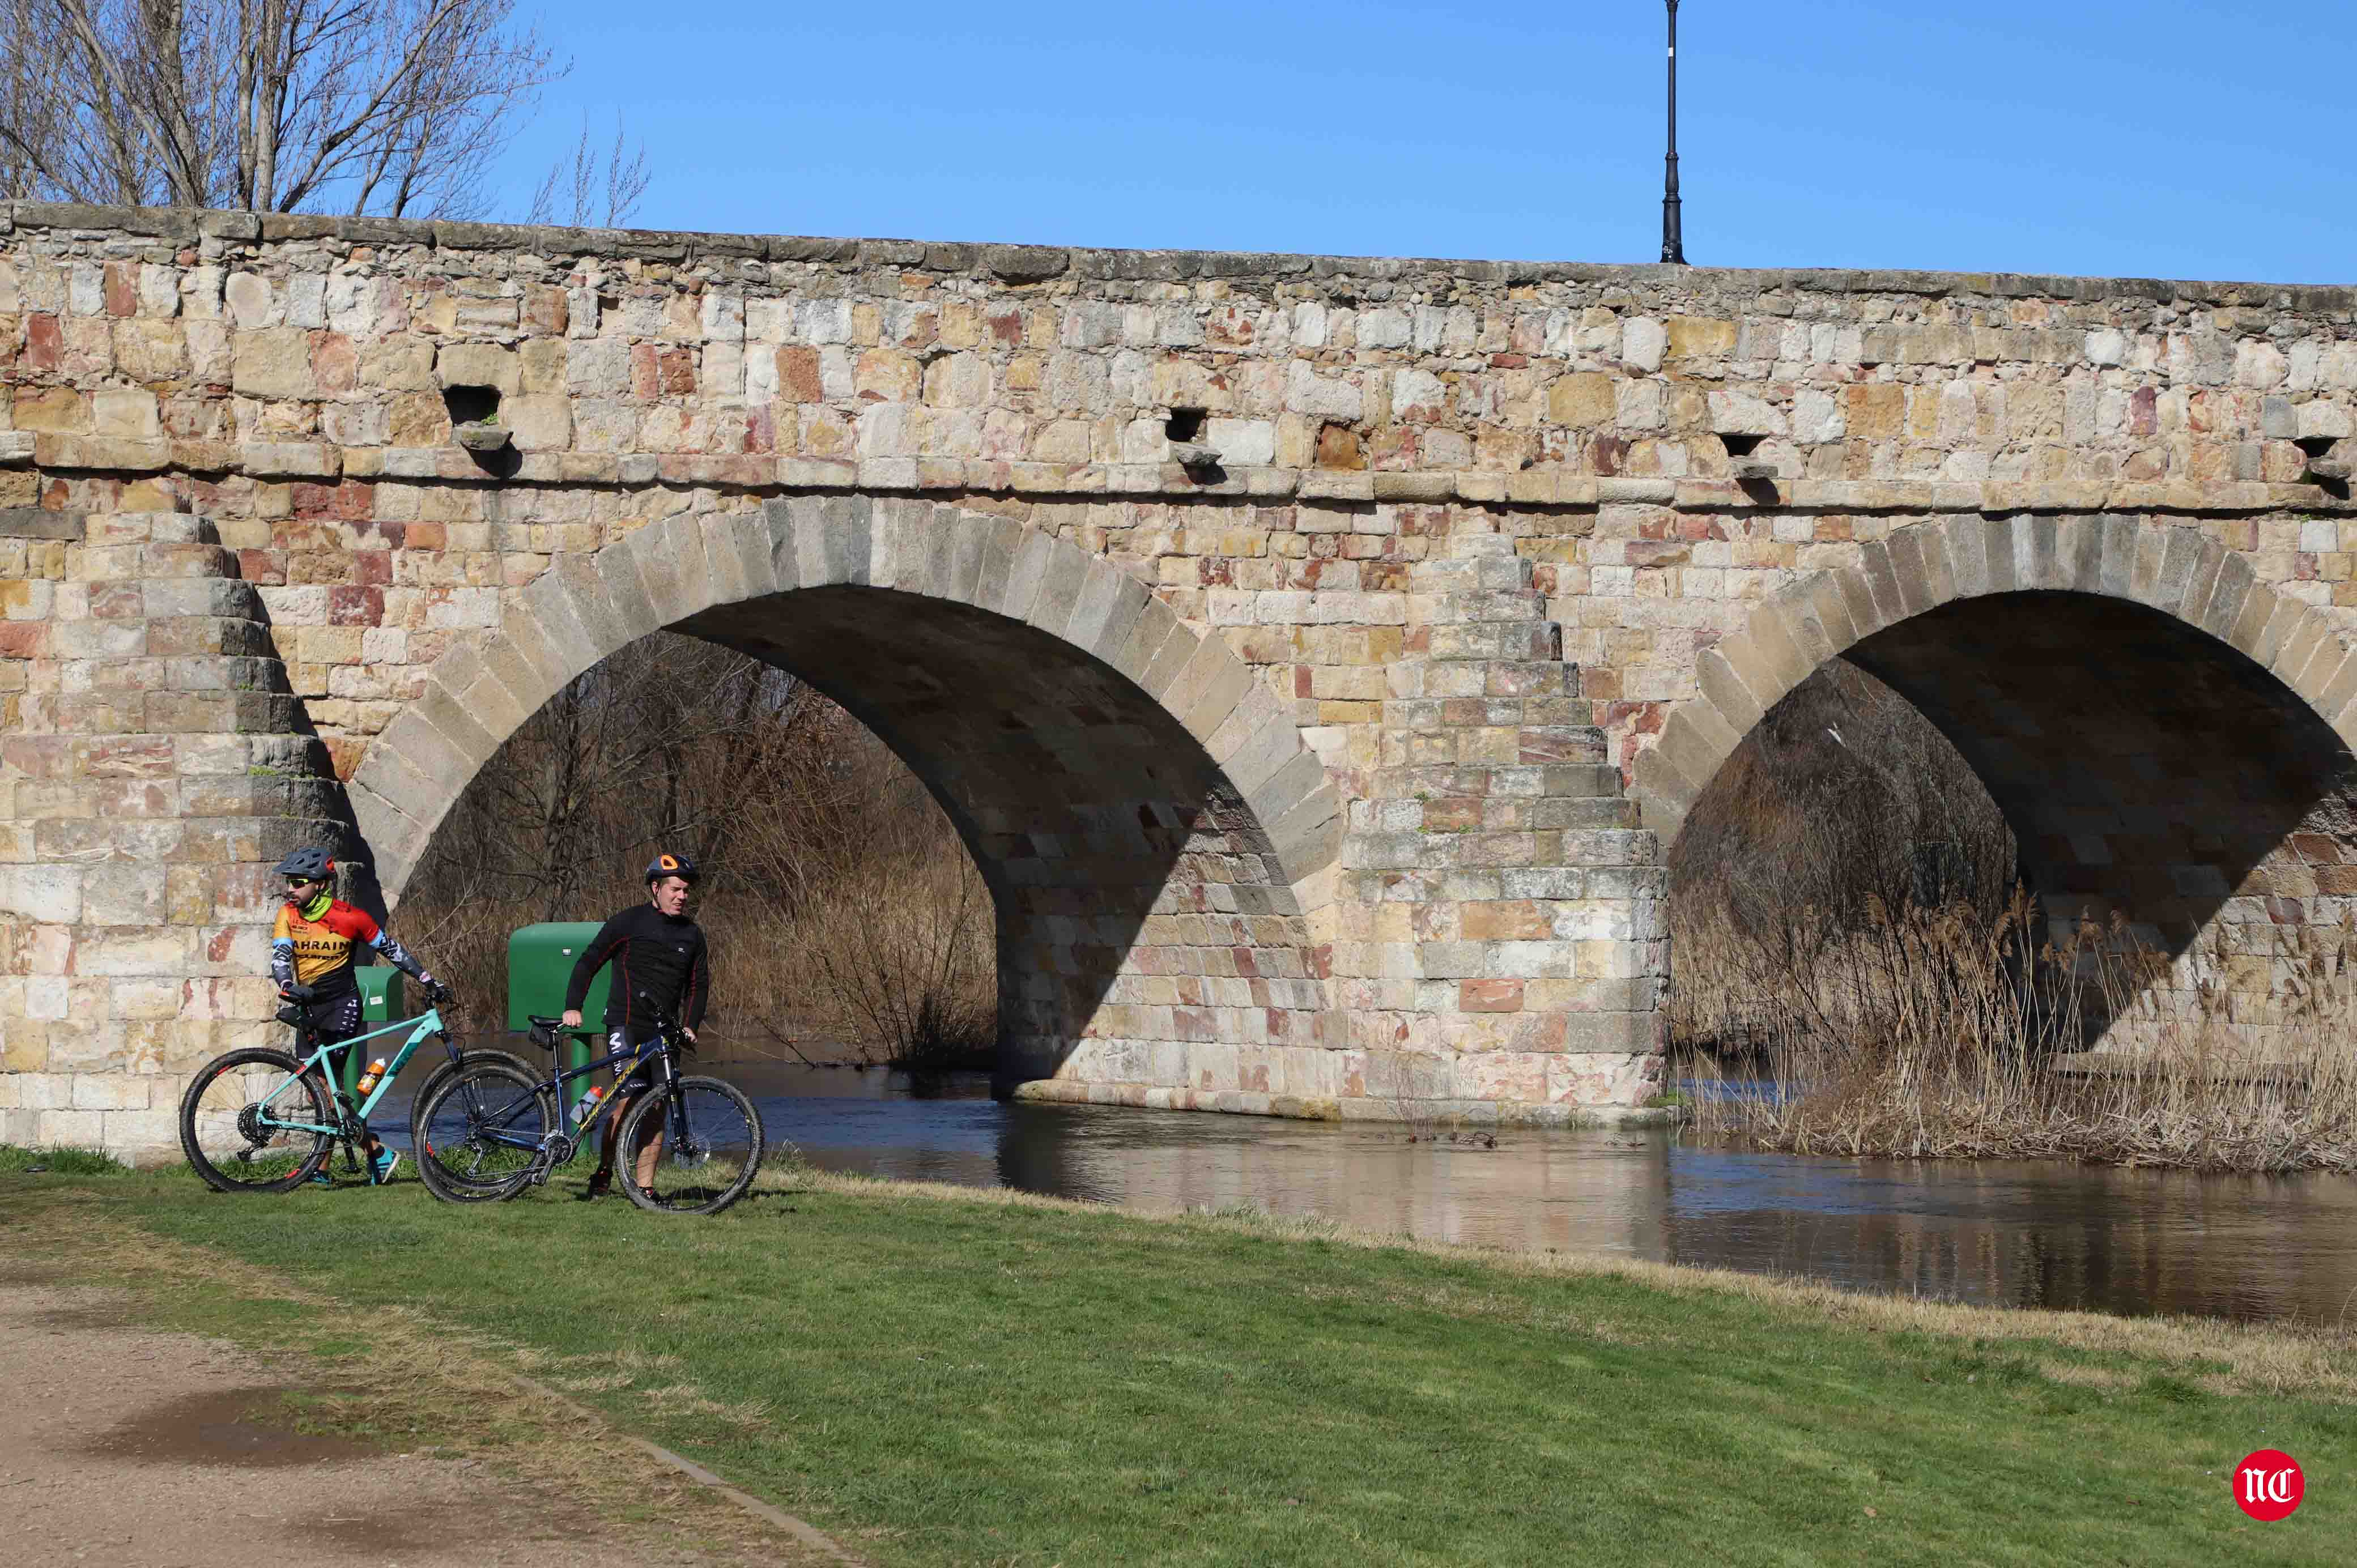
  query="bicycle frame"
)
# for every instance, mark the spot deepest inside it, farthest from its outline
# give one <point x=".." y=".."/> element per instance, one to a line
<point x="428" y="1025"/>
<point x="665" y="1056"/>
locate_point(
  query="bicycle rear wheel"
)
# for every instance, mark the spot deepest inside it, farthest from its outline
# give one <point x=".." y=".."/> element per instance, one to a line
<point x="478" y="1134"/>
<point x="245" y="1128"/>
<point x="712" y="1146"/>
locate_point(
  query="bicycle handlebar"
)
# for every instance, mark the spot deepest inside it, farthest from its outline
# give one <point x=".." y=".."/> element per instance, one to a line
<point x="669" y="1028"/>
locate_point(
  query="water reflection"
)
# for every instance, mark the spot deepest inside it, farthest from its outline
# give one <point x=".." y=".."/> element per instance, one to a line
<point x="2025" y="1233"/>
<point x="2022" y="1234"/>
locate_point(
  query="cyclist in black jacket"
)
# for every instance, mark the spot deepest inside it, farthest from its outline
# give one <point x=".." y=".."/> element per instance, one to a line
<point x="662" y="967"/>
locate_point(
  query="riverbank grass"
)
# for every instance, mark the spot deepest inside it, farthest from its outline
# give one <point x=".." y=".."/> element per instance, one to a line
<point x="936" y="1376"/>
<point x="15" y="1159"/>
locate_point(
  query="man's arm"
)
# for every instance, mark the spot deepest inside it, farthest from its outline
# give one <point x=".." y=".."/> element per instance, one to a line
<point x="399" y="956"/>
<point x="358" y="928"/>
<point x="282" y="954"/>
<point x="610" y="935"/>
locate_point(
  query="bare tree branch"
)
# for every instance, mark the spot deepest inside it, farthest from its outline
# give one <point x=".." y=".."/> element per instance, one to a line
<point x="273" y="105"/>
<point x="570" y="193"/>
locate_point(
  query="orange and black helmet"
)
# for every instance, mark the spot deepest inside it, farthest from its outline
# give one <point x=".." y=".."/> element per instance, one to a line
<point x="666" y="864"/>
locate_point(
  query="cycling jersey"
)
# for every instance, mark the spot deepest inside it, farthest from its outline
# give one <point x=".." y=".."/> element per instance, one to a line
<point x="660" y="965"/>
<point x="320" y="951"/>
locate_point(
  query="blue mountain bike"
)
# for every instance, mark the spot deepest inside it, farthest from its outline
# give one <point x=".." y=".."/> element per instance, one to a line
<point x="683" y="1143"/>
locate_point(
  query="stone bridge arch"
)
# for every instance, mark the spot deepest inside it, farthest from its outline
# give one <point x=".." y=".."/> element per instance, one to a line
<point x="2168" y="734"/>
<point x="1159" y="843"/>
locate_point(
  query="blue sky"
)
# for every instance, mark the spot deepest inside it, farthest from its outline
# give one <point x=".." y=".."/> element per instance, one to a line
<point x="2173" y="138"/>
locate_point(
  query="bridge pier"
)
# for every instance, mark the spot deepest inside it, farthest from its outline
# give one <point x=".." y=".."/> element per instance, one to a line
<point x="157" y="767"/>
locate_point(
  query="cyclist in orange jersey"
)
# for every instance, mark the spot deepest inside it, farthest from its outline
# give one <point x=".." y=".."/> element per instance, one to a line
<point x="314" y="949"/>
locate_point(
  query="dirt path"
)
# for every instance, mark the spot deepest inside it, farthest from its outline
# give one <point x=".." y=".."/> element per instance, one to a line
<point x="122" y="1445"/>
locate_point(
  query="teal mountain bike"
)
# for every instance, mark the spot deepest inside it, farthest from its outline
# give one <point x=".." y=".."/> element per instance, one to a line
<point x="261" y="1120"/>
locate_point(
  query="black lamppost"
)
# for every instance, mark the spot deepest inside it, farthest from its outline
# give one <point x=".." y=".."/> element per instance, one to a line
<point x="1673" y="244"/>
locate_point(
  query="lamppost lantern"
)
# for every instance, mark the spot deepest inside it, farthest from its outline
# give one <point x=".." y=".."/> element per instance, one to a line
<point x="1673" y="244"/>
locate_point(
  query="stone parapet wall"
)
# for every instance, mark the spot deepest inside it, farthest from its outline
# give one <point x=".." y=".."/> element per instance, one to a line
<point x="266" y="349"/>
<point x="286" y="376"/>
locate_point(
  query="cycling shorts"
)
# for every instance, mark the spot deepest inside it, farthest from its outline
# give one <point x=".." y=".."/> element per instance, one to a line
<point x="629" y="1078"/>
<point x="331" y="1021"/>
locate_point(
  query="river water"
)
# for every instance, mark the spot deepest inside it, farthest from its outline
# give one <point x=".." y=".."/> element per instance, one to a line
<point x="2025" y="1233"/>
<point x="2270" y="1249"/>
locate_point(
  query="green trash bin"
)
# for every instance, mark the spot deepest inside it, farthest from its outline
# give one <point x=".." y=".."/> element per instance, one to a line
<point x="380" y="989"/>
<point x="540" y="965"/>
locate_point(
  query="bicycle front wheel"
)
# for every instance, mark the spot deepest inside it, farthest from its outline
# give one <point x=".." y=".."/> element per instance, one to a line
<point x="697" y="1151"/>
<point x="433" y="1085"/>
<point x="478" y="1134"/>
<point x="249" y="1123"/>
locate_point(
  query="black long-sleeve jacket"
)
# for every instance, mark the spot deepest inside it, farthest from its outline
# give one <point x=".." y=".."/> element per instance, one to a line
<point x="661" y="956"/>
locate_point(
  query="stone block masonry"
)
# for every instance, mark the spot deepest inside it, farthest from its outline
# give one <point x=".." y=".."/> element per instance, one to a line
<point x="1326" y="771"/>
<point x="151" y="766"/>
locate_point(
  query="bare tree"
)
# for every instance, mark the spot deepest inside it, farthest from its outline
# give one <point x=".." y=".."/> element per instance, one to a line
<point x="384" y="106"/>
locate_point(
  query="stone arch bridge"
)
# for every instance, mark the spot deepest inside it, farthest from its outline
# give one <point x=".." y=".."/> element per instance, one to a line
<point x="1316" y="654"/>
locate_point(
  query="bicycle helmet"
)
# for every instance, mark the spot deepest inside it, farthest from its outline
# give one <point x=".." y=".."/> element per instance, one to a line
<point x="313" y="865"/>
<point x="669" y="865"/>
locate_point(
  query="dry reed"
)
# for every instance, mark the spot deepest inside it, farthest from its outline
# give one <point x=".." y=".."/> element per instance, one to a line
<point x="1847" y="925"/>
<point x="1945" y="1033"/>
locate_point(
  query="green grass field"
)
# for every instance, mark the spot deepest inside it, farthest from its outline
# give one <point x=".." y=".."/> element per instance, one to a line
<point x="942" y="1378"/>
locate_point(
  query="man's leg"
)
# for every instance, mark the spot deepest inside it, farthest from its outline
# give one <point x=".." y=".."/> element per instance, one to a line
<point x="382" y="1162"/>
<point x="338" y="1021"/>
<point x="631" y="1083"/>
<point x="333" y="1024"/>
<point x="608" y="1133"/>
<point x="329" y="1073"/>
<point x="649" y="1153"/>
<point x="644" y="1158"/>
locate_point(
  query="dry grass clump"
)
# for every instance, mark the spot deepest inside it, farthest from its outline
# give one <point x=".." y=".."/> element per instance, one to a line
<point x="1943" y="1033"/>
<point x="845" y="918"/>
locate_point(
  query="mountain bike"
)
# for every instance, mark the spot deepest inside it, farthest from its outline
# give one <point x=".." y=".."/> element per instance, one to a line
<point x="261" y="1120"/>
<point x="492" y="1130"/>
